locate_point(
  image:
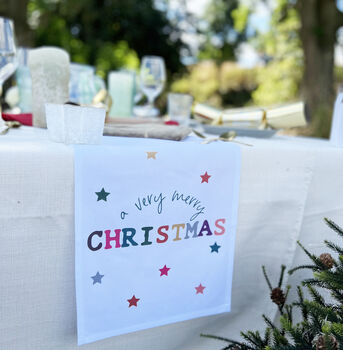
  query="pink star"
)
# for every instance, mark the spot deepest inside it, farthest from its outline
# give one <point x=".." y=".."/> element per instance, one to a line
<point x="205" y="177"/>
<point x="164" y="270"/>
<point x="200" y="289"/>
<point x="133" y="301"/>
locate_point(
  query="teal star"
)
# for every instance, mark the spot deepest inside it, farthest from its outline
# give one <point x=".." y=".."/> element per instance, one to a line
<point x="102" y="195"/>
<point x="215" y="247"/>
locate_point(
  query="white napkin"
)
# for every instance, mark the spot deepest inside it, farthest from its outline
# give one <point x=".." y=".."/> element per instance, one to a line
<point x="336" y="136"/>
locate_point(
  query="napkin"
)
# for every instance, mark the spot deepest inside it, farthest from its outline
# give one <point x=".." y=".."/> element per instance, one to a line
<point x="336" y="136"/>
<point x="3" y="126"/>
<point x="154" y="131"/>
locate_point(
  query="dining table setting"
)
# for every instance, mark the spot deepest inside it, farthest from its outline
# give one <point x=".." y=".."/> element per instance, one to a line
<point x="124" y="226"/>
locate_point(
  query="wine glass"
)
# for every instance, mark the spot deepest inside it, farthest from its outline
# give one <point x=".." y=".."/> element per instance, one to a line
<point x="152" y="80"/>
<point x="8" y="57"/>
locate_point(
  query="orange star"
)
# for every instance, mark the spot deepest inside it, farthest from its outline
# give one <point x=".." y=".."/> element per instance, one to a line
<point x="205" y="177"/>
<point x="151" y="155"/>
<point x="133" y="301"/>
<point x="200" y="289"/>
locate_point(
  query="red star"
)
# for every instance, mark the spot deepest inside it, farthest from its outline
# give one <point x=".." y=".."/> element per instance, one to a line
<point x="133" y="301"/>
<point x="164" y="270"/>
<point x="200" y="289"/>
<point x="205" y="177"/>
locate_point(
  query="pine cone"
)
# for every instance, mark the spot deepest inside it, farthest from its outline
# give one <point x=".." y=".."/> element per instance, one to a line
<point x="327" y="260"/>
<point x="323" y="345"/>
<point x="277" y="296"/>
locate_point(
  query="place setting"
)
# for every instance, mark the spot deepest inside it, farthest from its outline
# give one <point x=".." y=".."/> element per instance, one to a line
<point x="166" y="176"/>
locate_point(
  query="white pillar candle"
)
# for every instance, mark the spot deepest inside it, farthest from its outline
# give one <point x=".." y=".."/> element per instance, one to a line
<point x="121" y="86"/>
<point x="49" y="67"/>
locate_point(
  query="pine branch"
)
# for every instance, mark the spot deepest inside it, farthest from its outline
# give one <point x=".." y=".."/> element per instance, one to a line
<point x="288" y="288"/>
<point x="252" y="338"/>
<point x="289" y="312"/>
<point x="336" y="294"/>
<point x="221" y="339"/>
<point x="315" y="259"/>
<point x="334" y="247"/>
<point x="319" y="316"/>
<point x="316" y="296"/>
<point x="311" y="267"/>
<point x="334" y="226"/>
<point x="301" y="303"/>
<point x="333" y="280"/>
<point x="269" y="322"/>
<point x="267" y="278"/>
<point x="267" y="337"/>
<point x="321" y="312"/>
<point x="313" y="282"/>
<point x="279" y="339"/>
<point x="283" y="268"/>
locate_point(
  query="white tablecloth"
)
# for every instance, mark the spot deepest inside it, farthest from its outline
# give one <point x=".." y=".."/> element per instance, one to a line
<point x="287" y="186"/>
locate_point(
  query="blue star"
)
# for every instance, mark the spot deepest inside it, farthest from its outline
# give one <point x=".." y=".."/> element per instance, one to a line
<point x="97" y="278"/>
<point x="215" y="247"/>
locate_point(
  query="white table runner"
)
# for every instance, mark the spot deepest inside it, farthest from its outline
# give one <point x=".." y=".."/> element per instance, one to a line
<point x="155" y="226"/>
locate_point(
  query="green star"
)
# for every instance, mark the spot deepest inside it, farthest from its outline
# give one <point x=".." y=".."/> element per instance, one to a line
<point x="102" y="195"/>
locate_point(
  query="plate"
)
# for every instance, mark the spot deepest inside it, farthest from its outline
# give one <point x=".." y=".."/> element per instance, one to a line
<point x="218" y="130"/>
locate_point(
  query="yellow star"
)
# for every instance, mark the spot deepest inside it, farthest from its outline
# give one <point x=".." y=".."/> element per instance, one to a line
<point x="151" y="155"/>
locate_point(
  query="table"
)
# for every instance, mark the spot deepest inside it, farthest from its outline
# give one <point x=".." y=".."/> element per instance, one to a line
<point x="287" y="186"/>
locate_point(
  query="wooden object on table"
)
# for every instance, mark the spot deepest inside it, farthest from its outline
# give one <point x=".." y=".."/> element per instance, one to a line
<point x="155" y="131"/>
<point x="134" y="120"/>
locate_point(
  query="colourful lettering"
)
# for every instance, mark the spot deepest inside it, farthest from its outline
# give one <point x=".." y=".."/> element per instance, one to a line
<point x="163" y="234"/>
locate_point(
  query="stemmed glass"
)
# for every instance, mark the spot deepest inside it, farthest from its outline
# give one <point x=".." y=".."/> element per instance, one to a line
<point x="8" y="59"/>
<point x="152" y="80"/>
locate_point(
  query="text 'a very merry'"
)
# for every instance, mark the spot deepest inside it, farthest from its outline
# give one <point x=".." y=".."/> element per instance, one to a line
<point x="158" y="199"/>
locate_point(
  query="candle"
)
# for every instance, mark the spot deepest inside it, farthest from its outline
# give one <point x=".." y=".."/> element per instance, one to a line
<point x="121" y="86"/>
<point x="49" y="68"/>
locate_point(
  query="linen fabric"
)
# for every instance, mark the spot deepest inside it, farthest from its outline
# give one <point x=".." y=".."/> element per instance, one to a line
<point x="287" y="186"/>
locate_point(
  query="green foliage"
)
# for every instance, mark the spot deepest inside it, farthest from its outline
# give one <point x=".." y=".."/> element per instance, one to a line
<point x="321" y="320"/>
<point x="217" y="84"/>
<point x="107" y="33"/>
<point x="279" y="80"/>
<point x="240" y="17"/>
<point x="202" y="83"/>
<point x="221" y="36"/>
<point x="116" y="55"/>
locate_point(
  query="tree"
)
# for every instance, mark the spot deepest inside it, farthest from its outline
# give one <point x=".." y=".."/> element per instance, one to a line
<point x="320" y="20"/>
<point x="220" y="36"/>
<point x="321" y="327"/>
<point x="279" y="80"/>
<point x="100" y="32"/>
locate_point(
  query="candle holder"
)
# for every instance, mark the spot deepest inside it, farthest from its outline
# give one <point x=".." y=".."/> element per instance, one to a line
<point x="75" y="124"/>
